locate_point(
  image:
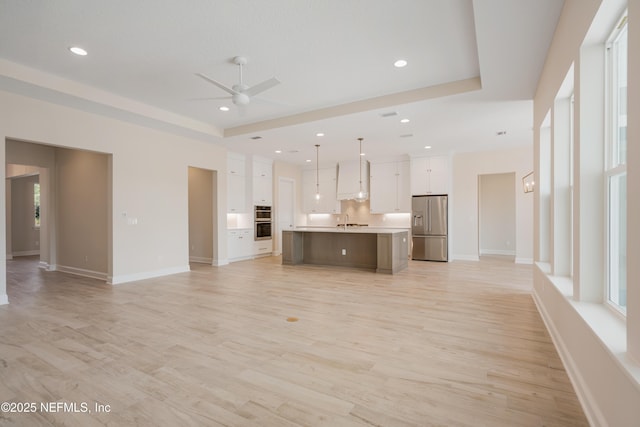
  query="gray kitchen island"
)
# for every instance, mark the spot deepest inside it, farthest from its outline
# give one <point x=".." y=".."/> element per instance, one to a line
<point x="383" y="250"/>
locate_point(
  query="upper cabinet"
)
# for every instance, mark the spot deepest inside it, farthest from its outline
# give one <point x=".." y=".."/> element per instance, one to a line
<point x="390" y="189"/>
<point x="429" y="175"/>
<point x="262" y="181"/>
<point x="236" y="183"/>
<point x="327" y="180"/>
<point x="349" y="175"/>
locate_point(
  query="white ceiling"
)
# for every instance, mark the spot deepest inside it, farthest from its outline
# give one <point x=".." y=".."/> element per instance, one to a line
<point x="473" y="69"/>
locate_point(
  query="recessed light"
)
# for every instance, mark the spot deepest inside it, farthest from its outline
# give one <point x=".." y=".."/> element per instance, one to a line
<point x="308" y="160"/>
<point x="400" y="63"/>
<point x="362" y="154"/>
<point x="278" y="151"/>
<point x="405" y="121"/>
<point x="224" y="108"/>
<point x="319" y="134"/>
<point x="78" y="51"/>
<point x="427" y="147"/>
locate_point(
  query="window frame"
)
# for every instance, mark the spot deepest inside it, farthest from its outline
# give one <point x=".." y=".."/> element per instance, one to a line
<point x="613" y="167"/>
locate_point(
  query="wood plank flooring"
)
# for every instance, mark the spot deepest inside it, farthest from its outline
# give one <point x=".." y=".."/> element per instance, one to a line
<point x="438" y="344"/>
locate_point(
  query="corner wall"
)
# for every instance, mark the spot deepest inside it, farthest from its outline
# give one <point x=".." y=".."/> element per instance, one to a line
<point x="595" y="344"/>
<point x="464" y="204"/>
<point x="149" y="182"/>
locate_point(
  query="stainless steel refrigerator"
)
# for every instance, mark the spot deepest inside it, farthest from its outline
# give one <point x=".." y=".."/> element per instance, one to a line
<point x="429" y="228"/>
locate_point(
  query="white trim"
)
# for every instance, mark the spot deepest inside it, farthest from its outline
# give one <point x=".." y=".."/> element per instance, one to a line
<point x="219" y="262"/>
<point x="4" y="299"/>
<point x="125" y="278"/>
<point x="465" y="258"/>
<point x="241" y="258"/>
<point x="524" y="260"/>
<point x="26" y="253"/>
<point x="200" y="260"/>
<point x="82" y="272"/>
<point x="497" y="252"/>
<point x="588" y="403"/>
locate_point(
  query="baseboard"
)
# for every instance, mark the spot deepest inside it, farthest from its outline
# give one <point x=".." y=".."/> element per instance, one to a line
<point x="588" y="403"/>
<point x="82" y="272"/>
<point x="219" y="262"/>
<point x="26" y="253"/>
<point x="44" y="265"/>
<point x="4" y="299"/>
<point x="524" y="260"/>
<point x="497" y="252"/>
<point x="201" y="260"/>
<point x="125" y="278"/>
<point x="241" y="258"/>
<point x="465" y="258"/>
<point x="9" y="257"/>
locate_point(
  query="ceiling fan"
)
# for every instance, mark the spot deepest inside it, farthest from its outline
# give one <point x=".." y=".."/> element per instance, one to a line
<point x="241" y="93"/>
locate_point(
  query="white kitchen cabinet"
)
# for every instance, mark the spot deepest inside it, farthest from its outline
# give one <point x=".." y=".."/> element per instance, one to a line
<point x="328" y="202"/>
<point x="349" y="178"/>
<point x="262" y="182"/>
<point x="262" y="247"/>
<point x="390" y="189"/>
<point x="236" y="183"/>
<point x="239" y="244"/>
<point x="429" y="175"/>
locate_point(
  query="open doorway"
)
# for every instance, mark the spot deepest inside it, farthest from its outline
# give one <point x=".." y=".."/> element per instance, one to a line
<point x="202" y="214"/>
<point x="285" y="209"/>
<point x="497" y="215"/>
<point x="72" y="218"/>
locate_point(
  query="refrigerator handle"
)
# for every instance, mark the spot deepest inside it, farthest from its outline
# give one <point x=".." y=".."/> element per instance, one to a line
<point x="430" y="213"/>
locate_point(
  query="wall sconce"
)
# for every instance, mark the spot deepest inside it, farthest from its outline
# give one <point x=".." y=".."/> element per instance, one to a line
<point x="528" y="184"/>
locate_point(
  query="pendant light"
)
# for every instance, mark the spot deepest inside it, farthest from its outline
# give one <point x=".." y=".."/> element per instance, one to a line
<point x="317" y="173"/>
<point x="362" y="194"/>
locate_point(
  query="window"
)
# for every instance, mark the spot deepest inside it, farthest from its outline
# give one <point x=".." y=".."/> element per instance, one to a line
<point x="616" y="168"/>
<point x="36" y="204"/>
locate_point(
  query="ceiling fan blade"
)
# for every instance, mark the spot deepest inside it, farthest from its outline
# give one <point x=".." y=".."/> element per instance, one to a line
<point x="220" y="85"/>
<point x="209" y="98"/>
<point x="261" y="87"/>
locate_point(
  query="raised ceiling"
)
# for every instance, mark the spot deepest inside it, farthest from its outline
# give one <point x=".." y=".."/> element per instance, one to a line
<point x="472" y="69"/>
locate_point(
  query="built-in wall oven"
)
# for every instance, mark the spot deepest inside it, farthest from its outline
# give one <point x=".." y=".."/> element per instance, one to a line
<point x="263" y="222"/>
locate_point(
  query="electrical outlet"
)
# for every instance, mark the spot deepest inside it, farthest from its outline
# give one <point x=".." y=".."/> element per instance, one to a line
<point x="344" y="252"/>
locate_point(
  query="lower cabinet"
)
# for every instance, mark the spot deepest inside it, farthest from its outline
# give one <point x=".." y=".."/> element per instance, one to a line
<point x="262" y="247"/>
<point x="239" y="244"/>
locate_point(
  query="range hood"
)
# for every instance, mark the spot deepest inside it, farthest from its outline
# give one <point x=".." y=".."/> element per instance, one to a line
<point x="349" y="179"/>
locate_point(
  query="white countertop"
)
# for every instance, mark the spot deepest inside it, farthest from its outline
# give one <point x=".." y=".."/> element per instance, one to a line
<point x="355" y="230"/>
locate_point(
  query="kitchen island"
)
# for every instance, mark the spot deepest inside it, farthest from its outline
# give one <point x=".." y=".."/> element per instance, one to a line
<point x="383" y="250"/>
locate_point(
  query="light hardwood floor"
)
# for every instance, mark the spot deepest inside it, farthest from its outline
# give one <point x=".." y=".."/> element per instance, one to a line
<point x="438" y="344"/>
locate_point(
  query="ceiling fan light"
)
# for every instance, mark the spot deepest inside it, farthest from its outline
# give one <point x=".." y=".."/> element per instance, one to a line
<point x="240" y="99"/>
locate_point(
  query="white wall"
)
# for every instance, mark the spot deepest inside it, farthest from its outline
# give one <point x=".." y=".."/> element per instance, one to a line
<point x="497" y="214"/>
<point x="463" y="204"/>
<point x="599" y="349"/>
<point x="149" y="182"/>
<point x="82" y="201"/>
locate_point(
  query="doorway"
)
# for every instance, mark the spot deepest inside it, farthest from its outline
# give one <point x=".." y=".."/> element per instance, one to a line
<point x="497" y="215"/>
<point x="74" y="211"/>
<point x="201" y="215"/>
<point x="286" y="209"/>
